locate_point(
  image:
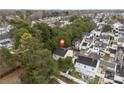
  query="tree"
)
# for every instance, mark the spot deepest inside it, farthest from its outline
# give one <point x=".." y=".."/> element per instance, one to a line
<point x="44" y="31"/>
<point x="20" y="23"/>
<point x="107" y="28"/>
<point x="42" y="69"/>
<point x="37" y="63"/>
<point x="16" y="34"/>
<point x="80" y="26"/>
<point x="6" y="58"/>
<point x="28" y="46"/>
<point x="76" y="29"/>
<point x="65" y="64"/>
<point x="72" y="18"/>
<point x="58" y="33"/>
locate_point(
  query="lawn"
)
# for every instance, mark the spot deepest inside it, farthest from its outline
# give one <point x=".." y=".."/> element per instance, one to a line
<point x="96" y="80"/>
<point x="75" y="74"/>
<point x="106" y="57"/>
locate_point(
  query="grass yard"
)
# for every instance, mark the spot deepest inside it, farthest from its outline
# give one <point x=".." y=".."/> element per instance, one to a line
<point x="75" y="74"/>
<point x="106" y="57"/>
<point x="96" y="80"/>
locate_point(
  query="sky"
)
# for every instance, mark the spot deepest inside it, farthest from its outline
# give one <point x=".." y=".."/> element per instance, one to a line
<point x="61" y="4"/>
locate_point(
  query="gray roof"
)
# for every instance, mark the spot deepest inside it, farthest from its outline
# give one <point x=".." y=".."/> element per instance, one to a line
<point x="94" y="55"/>
<point x="108" y="64"/>
<point x="87" y="61"/>
<point x="105" y="36"/>
<point x="121" y="39"/>
<point x="84" y="44"/>
<point x="76" y="39"/>
<point x="4" y="36"/>
<point x="121" y="48"/>
<point x="113" y="51"/>
<point x="60" y="52"/>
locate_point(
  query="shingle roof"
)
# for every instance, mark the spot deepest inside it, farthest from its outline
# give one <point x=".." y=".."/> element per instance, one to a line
<point x="60" y="52"/>
<point x="87" y="61"/>
<point x="113" y="51"/>
<point x="84" y="44"/>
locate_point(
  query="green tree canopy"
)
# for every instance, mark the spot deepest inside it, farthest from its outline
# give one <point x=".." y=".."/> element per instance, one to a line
<point x="72" y="18"/>
<point x="107" y="28"/>
<point x="65" y="64"/>
<point x="7" y="58"/>
<point x="42" y="68"/>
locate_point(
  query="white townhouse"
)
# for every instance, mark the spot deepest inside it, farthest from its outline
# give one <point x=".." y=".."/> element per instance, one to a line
<point x="87" y="66"/>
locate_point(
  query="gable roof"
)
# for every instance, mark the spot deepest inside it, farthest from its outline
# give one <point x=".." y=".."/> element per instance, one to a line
<point x="87" y="61"/>
<point x="60" y="52"/>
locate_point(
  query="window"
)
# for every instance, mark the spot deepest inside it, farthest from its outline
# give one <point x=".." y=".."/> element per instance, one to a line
<point x="84" y="66"/>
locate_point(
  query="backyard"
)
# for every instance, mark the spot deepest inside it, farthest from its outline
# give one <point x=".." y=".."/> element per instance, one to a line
<point x="106" y="57"/>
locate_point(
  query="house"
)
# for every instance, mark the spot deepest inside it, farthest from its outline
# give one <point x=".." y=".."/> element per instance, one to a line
<point x="119" y="76"/>
<point x="94" y="49"/>
<point x="96" y="32"/>
<point x="88" y="35"/>
<point x="120" y="38"/>
<point x="84" y="45"/>
<point x="112" y="52"/>
<point x="6" y="43"/>
<point x="87" y="66"/>
<point x="109" y="69"/>
<point x="98" y="47"/>
<point x="117" y="25"/>
<point x="121" y="28"/>
<point x="76" y="43"/>
<point x="94" y="55"/>
<point x="110" y="65"/>
<point x="121" y="41"/>
<point x="109" y="76"/>
<point x="62" y="53"/>
<point x="120" y="55"/>
<point x="105" y="38"/>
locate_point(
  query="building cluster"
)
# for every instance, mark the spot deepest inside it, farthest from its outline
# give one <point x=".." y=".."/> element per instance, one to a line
<point x="5" y="40"/>
<point x="98" y="53"/>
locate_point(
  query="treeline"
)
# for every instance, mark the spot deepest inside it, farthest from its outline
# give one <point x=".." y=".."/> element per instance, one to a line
<point x="33" y="46"/>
